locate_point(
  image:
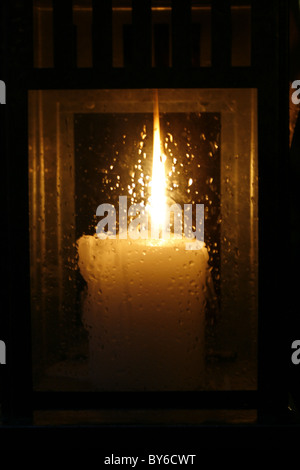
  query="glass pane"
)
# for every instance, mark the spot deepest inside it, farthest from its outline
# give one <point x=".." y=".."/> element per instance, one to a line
<point x="143" y="314"/>
<point x="43" y="33"/>
<point x="241" y="35"/>
<point x="201" y="34"/>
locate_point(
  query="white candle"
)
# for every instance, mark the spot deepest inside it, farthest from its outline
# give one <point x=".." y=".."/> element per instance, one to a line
<point x="144" y="312"/>
<point x="145" y="305"/>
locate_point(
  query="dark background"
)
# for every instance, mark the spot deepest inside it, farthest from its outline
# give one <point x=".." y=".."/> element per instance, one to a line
<point x="272" y="72"/>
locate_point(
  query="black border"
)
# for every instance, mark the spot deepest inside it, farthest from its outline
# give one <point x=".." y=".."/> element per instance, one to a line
<point x="269" y="74"/>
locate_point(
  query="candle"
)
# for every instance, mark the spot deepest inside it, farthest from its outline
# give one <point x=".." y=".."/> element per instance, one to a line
<point x="145" y="303"/>
<point x="145" y="313"/>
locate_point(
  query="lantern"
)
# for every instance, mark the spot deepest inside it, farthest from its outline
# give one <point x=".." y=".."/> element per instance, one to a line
<point x="137" y="113"/>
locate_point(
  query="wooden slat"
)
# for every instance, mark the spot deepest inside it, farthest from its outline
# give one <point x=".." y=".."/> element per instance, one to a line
<point x="142" y="33"/>
<point x="181" y="33"/>
<point x="267" y="63"/>
<point x="263" y="42"/>
<point x="64" y="35"/>
<point x="51" y="79"/>
<point x="19" y="33"/>
<point x="161" y="45"/>
<point x="102" y="34"/>
<point x="221" y="34"/>
<point x="15" y="324"/>
<point x="209" y="400"/>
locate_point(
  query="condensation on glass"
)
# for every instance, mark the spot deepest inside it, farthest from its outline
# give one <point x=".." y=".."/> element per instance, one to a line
<point x="89" y="147"/>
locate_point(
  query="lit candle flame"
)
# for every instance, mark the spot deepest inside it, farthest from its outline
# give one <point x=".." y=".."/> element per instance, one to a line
<point x="158" y="198"/>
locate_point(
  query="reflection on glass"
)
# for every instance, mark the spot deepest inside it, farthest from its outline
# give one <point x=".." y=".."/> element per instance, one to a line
<point x="143" y="314"/>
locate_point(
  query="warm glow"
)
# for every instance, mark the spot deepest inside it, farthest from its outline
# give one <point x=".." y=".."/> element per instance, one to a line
<point x="158" y="185"/>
